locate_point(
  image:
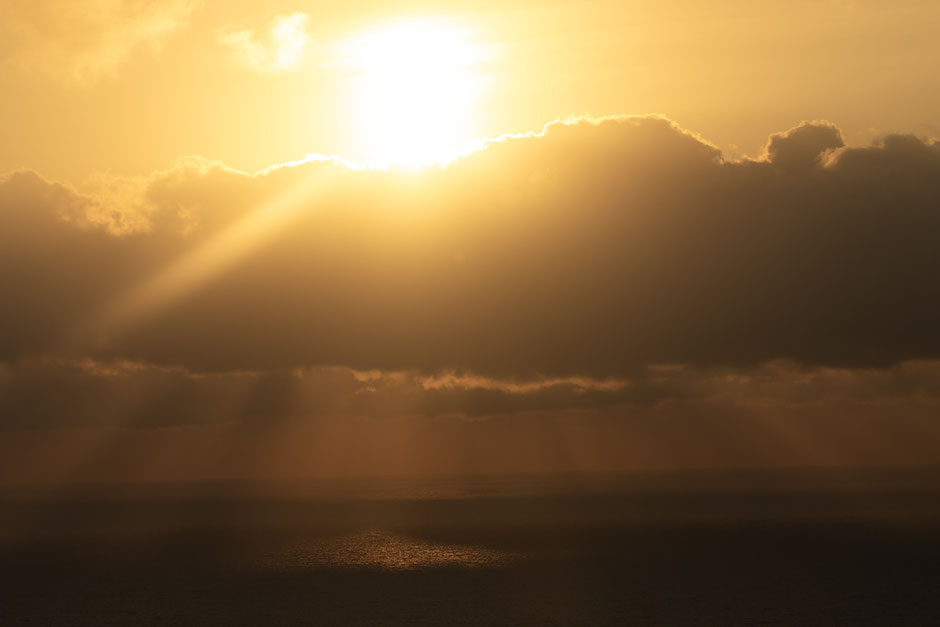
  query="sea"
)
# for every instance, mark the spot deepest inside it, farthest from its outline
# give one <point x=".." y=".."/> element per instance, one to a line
<point x="706" y="547"/>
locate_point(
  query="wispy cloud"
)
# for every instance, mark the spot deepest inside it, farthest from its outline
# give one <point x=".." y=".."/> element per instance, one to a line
<point x="82" y="43"/>
<point x="280" y="48"/>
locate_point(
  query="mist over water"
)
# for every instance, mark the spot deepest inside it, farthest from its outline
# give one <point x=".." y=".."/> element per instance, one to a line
<point x="785" y="548"/>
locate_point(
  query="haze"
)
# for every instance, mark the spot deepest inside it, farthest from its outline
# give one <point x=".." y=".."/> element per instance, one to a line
<point x="291" y="242"/>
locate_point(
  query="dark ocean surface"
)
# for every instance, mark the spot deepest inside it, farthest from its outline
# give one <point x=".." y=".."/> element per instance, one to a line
<point x="707" y="548"/>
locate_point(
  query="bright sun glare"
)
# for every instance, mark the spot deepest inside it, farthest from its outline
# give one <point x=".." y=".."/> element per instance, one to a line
<point x="415" y="87"/>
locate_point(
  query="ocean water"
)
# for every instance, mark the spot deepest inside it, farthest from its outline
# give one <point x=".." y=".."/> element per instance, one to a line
<point x="785" y="548"/>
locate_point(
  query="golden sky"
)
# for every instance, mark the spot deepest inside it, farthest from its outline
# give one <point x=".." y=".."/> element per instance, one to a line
<point x="299" y="238"/>
<point x="126" y="87"/>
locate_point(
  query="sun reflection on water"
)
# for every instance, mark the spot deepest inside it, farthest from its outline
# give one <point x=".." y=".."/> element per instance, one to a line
<point x="383" y="550"/>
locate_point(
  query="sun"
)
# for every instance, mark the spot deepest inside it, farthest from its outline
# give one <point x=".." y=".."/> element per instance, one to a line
<point x="414" y="90"/>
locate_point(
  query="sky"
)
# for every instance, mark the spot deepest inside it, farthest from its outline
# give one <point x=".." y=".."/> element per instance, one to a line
<point x="303" y="239"/>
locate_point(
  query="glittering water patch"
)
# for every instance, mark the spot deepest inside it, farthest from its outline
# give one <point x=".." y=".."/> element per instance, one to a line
<point x="380" y="550"/>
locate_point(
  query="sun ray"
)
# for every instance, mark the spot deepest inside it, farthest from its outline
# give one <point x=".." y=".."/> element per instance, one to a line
<point x="208" y="260"/>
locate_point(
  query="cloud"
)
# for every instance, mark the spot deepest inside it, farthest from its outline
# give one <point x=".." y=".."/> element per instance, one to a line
<point x="280" y="49"/>
<point x="83" y="420"/>
<point x="44" y="393"/>
<point x="451" y="381"/>
<point x="595" y="249"/>
<point x="804" y="146"/>
<point x="85" y="42"/>
<point x="55" y="393"/>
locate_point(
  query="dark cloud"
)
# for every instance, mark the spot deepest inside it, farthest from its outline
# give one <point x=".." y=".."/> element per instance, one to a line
<point x="802" y="147"/>
<point x="593" y="250"/>
<point x="85" y="420"/>
<point x="61" y="393"/>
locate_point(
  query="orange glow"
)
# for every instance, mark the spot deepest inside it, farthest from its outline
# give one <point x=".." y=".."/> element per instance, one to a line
<point x="695" y="241"/>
